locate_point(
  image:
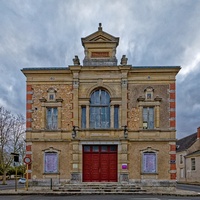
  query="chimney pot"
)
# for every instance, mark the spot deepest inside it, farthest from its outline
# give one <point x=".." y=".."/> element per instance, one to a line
<point x="198" y="133"/>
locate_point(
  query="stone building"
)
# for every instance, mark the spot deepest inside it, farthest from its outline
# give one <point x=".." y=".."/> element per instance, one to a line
<point x="188" y="158"/>
<point x="100" y="121"/>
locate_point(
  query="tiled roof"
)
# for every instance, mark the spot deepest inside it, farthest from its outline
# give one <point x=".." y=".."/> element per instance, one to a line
<point x="186" y="142"/>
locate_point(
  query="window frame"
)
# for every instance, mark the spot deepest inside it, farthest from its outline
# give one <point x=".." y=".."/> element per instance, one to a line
<point x="193" y="164"/>
<point x="146" y="123"/>
<point x="181" y="159"/>
<point x="52" y="118"/>
<point x="144" y="162"/>
<point x="56" y="165"/>
<point x="51" y="93"/>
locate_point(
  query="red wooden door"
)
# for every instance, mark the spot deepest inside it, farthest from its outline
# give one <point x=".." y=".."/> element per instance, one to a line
<point x="104" y="167"/>
<point x="113" y="167"/>
<point x="94" y="169"/>
<point x="100" y="163"/>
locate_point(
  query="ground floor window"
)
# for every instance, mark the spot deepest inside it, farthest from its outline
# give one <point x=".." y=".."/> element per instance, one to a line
<point x="149" y="164"/>
<point x="51" y="162"/>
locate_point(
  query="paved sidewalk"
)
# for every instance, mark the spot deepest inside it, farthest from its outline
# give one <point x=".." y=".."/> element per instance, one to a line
<point x="39" y="191"/>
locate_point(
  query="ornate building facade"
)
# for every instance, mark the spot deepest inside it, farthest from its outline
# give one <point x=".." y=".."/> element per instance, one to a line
<point x="100" y="121"/>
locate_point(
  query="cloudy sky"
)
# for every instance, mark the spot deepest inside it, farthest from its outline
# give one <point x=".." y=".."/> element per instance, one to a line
<point x="47" y="33"/>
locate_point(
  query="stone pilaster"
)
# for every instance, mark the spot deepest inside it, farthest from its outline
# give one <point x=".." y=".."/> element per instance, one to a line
<point x="75" y="162"/>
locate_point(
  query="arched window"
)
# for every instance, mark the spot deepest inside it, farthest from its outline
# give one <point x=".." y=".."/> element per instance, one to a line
<point x="100" y="109"/>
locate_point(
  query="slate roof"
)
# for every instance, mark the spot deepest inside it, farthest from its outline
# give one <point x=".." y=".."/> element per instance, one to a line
<point x="186" y="142"/>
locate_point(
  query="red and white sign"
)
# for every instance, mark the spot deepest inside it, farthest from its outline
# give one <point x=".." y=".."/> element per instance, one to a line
<point x="27" y="160"/>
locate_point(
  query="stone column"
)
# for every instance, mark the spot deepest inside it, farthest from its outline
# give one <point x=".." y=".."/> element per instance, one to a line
<point x="75" y="72"/>
<point x="75" y="100"/>
<point x="111" y="116"/>
<point x="124" y="84"/>
<point x="43" y="125"/>
<point x="124" y="101"/>
<point x="87" y="116"/>
<point x="59" y="117"/>
<point x="140" y="117"/>
<point x="157" y="117"/>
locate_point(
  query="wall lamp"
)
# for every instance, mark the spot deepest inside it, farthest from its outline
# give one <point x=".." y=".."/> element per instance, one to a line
<point x="74" y="131"/>
<point x="125" y="131"/>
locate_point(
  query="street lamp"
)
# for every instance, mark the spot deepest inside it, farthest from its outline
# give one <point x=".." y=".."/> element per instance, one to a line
<point x="125" y="132"/>
<point x="74" y="131"/>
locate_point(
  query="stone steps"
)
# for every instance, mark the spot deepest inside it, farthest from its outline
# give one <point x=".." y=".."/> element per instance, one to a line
<point x="99" y="188"/>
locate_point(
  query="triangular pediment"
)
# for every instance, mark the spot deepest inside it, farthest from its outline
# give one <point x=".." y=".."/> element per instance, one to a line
<point x="100" y="36"/>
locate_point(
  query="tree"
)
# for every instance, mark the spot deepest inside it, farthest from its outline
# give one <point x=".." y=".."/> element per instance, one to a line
<point x="12" y="131"/>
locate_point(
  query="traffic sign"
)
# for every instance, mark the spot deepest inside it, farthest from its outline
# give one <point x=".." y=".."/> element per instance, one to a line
<point x="27" y="160"/>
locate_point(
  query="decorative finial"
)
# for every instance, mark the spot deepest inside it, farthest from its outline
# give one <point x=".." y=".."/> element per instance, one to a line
<point x="100" y="28"/>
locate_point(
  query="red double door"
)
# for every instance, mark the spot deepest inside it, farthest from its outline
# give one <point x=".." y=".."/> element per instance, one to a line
<point x="100" y="163"/>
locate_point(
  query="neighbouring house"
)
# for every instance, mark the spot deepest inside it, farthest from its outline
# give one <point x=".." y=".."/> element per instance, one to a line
<point x="102" y="121"/>
<point x="188" y="158"/>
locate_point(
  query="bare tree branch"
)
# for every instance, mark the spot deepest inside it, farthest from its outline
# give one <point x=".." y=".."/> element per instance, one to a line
<point x="12" y="131"/>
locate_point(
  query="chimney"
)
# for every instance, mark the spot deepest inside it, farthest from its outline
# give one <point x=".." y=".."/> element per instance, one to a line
<point x="198" y="133"/>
